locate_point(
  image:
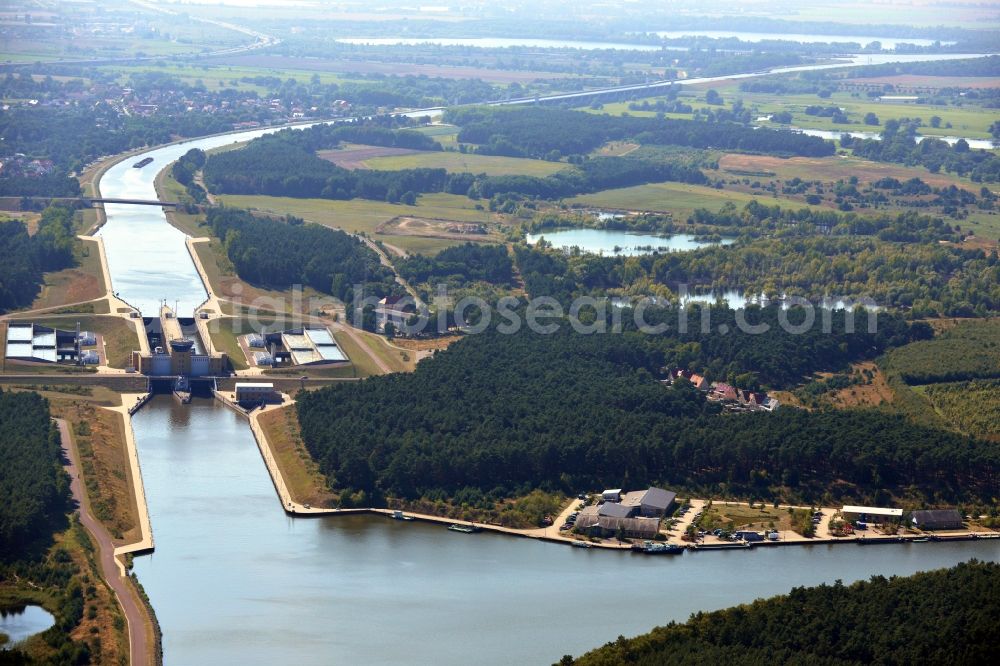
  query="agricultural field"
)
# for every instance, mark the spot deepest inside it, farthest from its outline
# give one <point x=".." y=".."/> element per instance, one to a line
<point x="678" y="199"/>
<point x="455" y="162"/>
<point x="833" y="168"/>
<point x="970" y="122"/>
<point x="215" y="76"/>
<point x="361" y="216"/>
<point x="348" y="68"/>
<point x="446" y="135"/>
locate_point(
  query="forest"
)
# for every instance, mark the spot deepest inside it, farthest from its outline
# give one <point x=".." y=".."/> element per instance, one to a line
<point x="276" y="166"/>
<point x="184" y="170"/>
<point x="969" y="350"/>
<point x="946" y="616"/>
<point x="508" y="414"/>
<point x="545" y="133"/>
<point x="34" y="490"/>
<point x="899" y="145"/>
<point x="25" y="257"/>
<point x="470" y="262"/>
<point x="928" y="279"/>
<point x="759" y="219"/>
<point x="282" y="253"/>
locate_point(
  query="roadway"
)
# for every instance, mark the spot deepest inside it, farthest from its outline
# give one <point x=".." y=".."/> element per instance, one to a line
<point x="134" y="611"/>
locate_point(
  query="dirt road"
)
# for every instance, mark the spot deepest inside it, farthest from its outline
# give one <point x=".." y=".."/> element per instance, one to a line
<point x="135" y="614"/>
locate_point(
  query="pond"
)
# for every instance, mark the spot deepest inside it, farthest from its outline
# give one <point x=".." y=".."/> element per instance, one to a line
<point x="621" y="243"/>
<point x="24" y="622"/>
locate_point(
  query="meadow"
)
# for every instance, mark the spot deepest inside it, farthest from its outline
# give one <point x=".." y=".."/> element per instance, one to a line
<point x="677" y="198"/>
<point x="363" y="216"/>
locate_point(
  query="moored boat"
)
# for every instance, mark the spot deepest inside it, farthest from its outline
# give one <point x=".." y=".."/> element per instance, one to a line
<point x="464" y="529"/>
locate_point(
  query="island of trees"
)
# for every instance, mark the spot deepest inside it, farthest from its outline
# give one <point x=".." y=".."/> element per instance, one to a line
<point x="938" y="617"/>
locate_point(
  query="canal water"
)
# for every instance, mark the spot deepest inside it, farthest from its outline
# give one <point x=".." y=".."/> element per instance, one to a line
<point x="234" y="580"/>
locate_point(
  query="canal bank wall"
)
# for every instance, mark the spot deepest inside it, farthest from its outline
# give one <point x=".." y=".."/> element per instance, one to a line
<point x="131" y="403"/>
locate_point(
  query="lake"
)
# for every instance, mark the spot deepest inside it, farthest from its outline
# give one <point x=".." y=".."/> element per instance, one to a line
<point x="605" y="241"/>
<point x="25" y="622"/>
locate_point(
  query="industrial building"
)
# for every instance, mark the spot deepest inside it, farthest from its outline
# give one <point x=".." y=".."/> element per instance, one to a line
<point x="180" y="358"/>
<point x="256" y="393"/>
<point x="293" y="347"/>
<point x="874" y="514"/>
<point x="27" y="341"/>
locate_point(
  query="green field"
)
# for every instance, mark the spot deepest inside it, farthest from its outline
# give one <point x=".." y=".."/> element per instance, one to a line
<point x="362" y="216"/>
<point x="446" y="135"/>
<point x="676" y="198"/>
<point x="222" y="76"/>
<point x="971" y="122"/>
<point x="455" y="162"/>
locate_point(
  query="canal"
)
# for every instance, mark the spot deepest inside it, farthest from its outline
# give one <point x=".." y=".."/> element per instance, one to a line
<point x="235" y="580"/>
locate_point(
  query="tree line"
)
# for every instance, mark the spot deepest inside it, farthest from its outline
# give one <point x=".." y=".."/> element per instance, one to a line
<point x="34" y="489"/>
<point x="563" y="412"/>
<point x="936" y="617"/>
<point x="25" y="257"/>
<point x="279" y="254"/>
<point x="470" y="262"/>
<point x="758" y="219"/>
<point x="928" y="279"/>
<point x="541" y="132"/>
<point x="899" y="145"/>
<point x="275" y="166"/>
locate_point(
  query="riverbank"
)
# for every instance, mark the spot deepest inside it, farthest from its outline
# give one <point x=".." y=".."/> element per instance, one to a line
<point x="553" y="534"/>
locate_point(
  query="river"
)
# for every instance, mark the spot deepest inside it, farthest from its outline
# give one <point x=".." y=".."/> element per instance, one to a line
<point x="755" y="37"/>
<point x="234" y="580"/>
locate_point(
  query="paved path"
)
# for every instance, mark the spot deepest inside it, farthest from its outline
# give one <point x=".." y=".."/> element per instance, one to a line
<point x="135" y="613"/>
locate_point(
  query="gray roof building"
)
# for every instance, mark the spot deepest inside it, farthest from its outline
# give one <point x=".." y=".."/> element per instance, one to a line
<point x="615" y="510"/>
<point x="654" y="502"/>
<point x="938" y="519"/>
